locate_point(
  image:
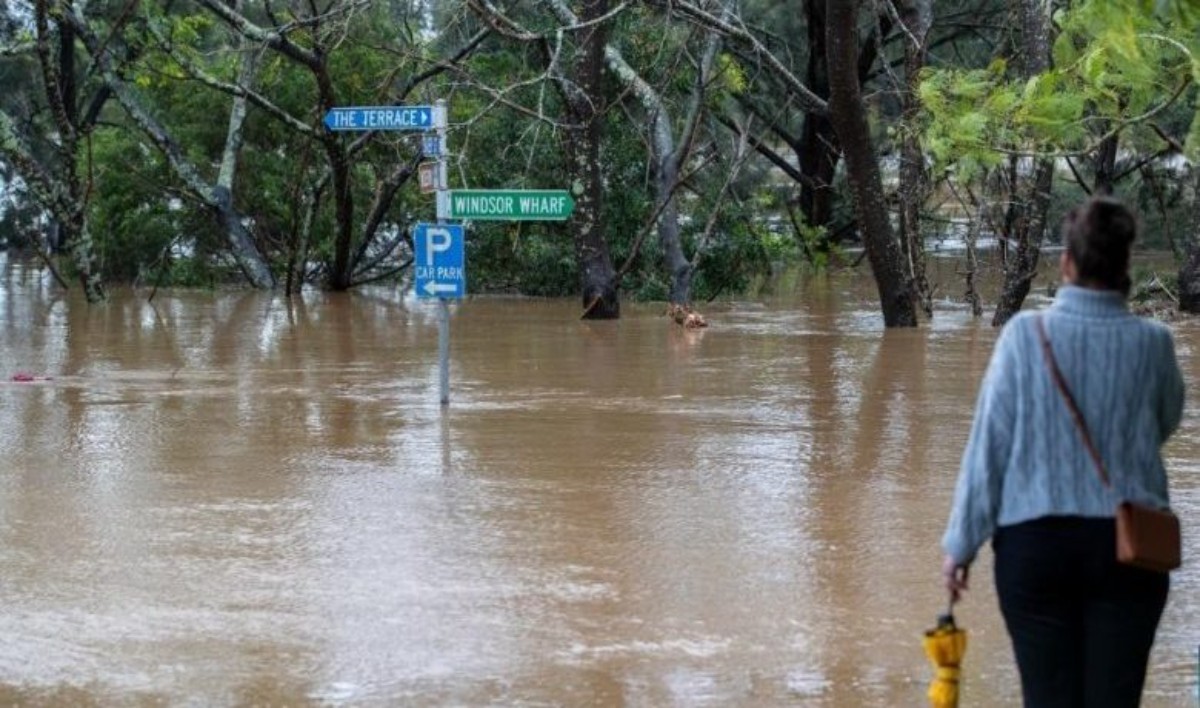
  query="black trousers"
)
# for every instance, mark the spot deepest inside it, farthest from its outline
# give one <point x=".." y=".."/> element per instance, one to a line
<point x="1081" y="624"/>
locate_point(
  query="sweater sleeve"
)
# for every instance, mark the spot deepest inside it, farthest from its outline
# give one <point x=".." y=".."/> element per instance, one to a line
<point x="1171" y="401"/>
<point x="980" y="478"/>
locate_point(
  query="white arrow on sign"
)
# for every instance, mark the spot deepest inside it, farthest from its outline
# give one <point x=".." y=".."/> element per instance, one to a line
<point x="434" y="288"/>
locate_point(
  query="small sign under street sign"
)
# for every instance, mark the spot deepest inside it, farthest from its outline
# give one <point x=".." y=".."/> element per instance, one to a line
<point x="380" y="118"/>
<point x="428" y="174"/>
<point x="511" y="204"/>
<point x="431" y="146"/>
<point x="440" y="269"/>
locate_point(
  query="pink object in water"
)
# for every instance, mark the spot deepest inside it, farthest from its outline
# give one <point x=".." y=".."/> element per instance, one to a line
<point x="25" y="377"/>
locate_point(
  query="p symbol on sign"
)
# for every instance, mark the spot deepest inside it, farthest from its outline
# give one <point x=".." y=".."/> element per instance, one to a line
<point x="437" y="240"/>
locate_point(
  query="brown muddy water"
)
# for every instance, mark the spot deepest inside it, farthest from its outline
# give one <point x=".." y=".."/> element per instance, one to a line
<point x="233" y="499"/>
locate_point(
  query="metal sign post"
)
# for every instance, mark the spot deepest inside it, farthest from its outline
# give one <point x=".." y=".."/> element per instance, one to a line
<point x="440" y="249"/>
<point x="440" y="123"/>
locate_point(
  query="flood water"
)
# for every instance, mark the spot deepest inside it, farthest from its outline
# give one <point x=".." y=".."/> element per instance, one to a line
<point x="235" y="499"/>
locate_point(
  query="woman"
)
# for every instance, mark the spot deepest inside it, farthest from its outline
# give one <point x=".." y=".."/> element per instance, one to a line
<point x="1081" y="624"/>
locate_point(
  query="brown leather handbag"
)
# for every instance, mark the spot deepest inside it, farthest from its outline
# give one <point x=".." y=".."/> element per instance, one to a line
<point x="1147" y="537"/>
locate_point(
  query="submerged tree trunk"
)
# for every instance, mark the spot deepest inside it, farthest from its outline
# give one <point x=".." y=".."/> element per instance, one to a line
<point x="342" y="268"/>
<point x="680" y="268"/>
<point x="914" y="182"/>
<point x="849" y="117"/>
<point x="576" y="73"/>
<point x="57" y="65"/>
<point x="245" y="251"/>
<point x="1031" y="194"/>
<point x="1031" y="204"/>
<point x="596" y="273"/>
<point x="666" y="174"/>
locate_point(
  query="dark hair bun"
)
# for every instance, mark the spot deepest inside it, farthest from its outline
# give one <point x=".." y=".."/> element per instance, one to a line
<point x="1113" y="221"/>
<point x="1098" y="235"/>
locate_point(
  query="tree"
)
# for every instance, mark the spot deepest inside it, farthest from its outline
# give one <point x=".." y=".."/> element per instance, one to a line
<point x="916" y="19"/>
<point x="322" y="33"/>
<point x="1117" y="66"/>
<point x="847" y="113"/>
<point x="61" y="124"/>
<point x="585" y="103"/>
<point x="214" y="195"/>
<point x="1030" y="208"/>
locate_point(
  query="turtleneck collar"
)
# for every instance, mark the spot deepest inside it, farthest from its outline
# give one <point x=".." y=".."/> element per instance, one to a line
<point x="1089" y="302"/>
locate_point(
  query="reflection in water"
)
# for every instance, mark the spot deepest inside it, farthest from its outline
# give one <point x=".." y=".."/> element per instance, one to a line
<point x="237" y="498"/>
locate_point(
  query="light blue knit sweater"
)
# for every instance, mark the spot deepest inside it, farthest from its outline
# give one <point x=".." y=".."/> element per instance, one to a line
<point x="1025" y="457"/>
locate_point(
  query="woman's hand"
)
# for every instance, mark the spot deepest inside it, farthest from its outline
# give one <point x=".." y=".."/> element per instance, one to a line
<point x="955" y="576"/>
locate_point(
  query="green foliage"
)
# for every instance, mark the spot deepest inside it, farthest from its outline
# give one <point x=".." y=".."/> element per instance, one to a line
<point x="731" y="76"/>
<point x="1116" y="65"/>
<point x="1115" y="62"/>
<point x="527" y="258"/>
<point x="737" y="250"/>
<point x="141" y="236"/>
<point x="967" y="113"/>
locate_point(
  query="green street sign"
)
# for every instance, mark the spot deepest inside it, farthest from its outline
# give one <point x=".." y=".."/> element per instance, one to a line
<point x="511" y="204"/>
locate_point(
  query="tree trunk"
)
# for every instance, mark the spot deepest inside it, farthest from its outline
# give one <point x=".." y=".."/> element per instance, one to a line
<point x="597" y="278"/>
<point x="1189" y="272"/>
<point x="914" y="182"/>
<point x="679" y="267"/>
<point x="245" y="252"/>
<point x="849" y="117"/>
<point x="340" y="277"/>
<point x="818" y="152"/>
<point x="1106" y="165"/>
<point x="596" y="273"/>
<point x="1031" y="197"/>
<point x="57" y="65"/>
<point x="83" y="255"/>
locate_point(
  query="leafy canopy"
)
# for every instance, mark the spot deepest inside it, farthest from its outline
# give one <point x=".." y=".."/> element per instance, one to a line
<point x="1117" y="65"/>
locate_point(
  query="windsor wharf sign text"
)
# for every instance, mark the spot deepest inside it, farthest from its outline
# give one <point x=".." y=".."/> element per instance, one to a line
<point x="511" y="204"/>
<point x="380" y="118"/>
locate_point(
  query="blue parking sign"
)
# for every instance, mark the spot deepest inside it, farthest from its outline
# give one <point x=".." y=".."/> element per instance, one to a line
<point x="440" y="268"/>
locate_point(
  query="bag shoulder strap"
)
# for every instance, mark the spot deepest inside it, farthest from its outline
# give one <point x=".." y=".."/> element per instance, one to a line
<point x="1061" y="384"/>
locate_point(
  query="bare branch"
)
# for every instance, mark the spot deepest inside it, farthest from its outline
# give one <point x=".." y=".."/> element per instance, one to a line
<point x="50" y="75"/>
<point x="385" y="192"/>
<point x="236" y="90"/>
<point x="445" y="65"/>
<point x="808" y="100"/>
<point x="658" y="208"/>
<point x="501" y="23"/>
<point x="40" y="184"/>
<point x="275" y="38"/>
<point x="741" y="154"/>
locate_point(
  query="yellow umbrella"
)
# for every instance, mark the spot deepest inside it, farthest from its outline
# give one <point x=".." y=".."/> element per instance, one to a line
<point x="945" y="645"/>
